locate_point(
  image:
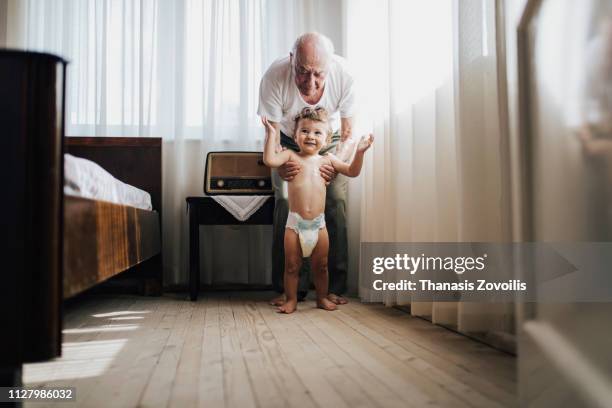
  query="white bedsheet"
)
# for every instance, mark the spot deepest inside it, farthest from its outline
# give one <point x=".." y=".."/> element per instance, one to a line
<point x="84" y="178"/>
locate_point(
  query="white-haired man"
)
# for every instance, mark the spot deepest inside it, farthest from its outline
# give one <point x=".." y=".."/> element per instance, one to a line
<point x="312" y="75"/>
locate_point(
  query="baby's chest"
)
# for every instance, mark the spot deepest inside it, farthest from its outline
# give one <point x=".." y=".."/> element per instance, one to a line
<point x="310" y="172"/>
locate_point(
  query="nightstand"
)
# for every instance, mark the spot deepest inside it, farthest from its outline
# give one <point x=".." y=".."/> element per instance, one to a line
<point x="206" y="211"/>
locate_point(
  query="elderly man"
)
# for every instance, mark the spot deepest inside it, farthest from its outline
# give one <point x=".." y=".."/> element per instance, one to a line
<point x="312" y="75"/>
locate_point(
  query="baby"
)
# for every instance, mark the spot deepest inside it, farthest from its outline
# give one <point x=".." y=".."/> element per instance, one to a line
<point x="305" y="233"/>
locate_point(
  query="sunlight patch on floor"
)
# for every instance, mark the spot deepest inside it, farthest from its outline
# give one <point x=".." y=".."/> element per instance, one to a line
<point x="122" y="313"/>
<point x="127" y="318"/>
<point x="79" y="360"/>
<point x="104" y="328"/>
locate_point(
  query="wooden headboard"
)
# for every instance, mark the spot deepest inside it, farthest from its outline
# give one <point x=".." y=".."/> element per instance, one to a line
<point x="133" y="160"/>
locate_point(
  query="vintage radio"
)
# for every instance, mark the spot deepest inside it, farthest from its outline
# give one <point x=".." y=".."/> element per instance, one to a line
<point x="237" y="173"/>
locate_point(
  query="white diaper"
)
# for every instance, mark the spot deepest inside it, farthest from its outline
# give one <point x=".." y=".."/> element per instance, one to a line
<point x="307" y="230"/>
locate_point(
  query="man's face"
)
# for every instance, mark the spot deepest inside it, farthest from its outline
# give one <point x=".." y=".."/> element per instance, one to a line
<point x="311" y="135"/>
<point x="309" y="75"/>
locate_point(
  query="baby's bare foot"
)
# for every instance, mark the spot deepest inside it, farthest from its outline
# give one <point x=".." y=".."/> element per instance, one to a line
<point x="288" y="307"/>
<point x="339" y="300"/>
<point x="278" y="301"/>
<point x="326" y="304"/>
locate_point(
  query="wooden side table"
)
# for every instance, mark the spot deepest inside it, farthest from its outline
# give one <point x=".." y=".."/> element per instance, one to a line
<point x="206" y="211"/>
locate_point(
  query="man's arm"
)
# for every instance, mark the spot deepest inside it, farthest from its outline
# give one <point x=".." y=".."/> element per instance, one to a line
<point x="346" y="105"/>
<point x="346" y="147"/>
<point x="346" y="128"/>
<point x="270" y="103"/>
<point x="272" y="156"/>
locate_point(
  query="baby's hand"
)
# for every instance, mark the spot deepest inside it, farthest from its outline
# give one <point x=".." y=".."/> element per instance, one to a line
<point x="269" y="128"/>
<point x="365" y="143"/>
<point x="271" y="132"/>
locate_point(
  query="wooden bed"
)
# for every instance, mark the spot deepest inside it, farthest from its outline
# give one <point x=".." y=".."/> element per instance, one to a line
<point x="103" y="239"/>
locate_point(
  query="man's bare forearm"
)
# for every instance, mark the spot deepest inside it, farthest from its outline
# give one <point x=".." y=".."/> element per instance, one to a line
<point x="346" y="128"/>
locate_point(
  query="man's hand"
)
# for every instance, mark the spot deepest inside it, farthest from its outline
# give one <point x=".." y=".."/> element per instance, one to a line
<point x="328" y="173"/>
<point x="289" y="170"/>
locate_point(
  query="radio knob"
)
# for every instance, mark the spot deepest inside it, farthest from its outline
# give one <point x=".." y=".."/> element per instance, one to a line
<point x="220" y="183"/>
<point x="261" y="183"/>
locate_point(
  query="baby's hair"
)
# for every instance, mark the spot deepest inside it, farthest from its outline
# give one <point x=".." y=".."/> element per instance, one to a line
<point x="317" y="114"/>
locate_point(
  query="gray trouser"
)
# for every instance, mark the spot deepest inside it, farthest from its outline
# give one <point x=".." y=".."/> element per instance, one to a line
<point x="335" y="218"/>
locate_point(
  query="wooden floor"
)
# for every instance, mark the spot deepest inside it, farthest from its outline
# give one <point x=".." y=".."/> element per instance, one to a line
<point x="233" y="350"/>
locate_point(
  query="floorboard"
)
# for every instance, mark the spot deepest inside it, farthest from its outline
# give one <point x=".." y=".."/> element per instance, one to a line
<point x="231" y="349"/>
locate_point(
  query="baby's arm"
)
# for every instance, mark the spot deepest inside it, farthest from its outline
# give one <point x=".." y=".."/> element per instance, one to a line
<point x="353" y="169"/>
<point x="270" y="157"/>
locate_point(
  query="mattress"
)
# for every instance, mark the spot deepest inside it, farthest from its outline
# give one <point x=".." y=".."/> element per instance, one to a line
<point x="84" y="178"/>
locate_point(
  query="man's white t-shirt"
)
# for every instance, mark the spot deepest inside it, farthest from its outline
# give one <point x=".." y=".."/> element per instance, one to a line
<point x="280" y="100"/>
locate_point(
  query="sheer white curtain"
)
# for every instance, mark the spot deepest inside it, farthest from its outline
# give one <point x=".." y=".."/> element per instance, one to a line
<point x="184" y="70"/>
<point x="438" y="170"/>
